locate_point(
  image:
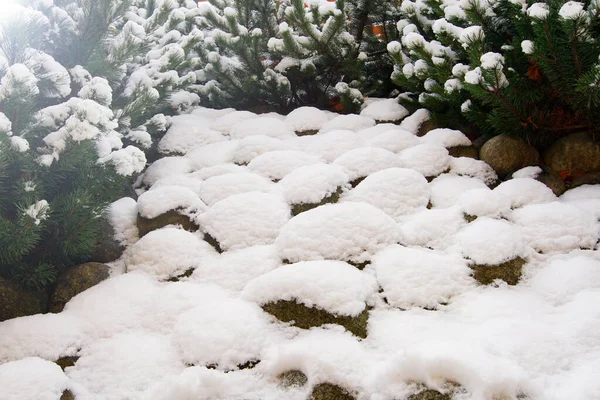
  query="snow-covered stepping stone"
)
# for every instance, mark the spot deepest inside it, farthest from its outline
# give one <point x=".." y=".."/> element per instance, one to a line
<point x="586" y="197"/>
<point x="556" y="227"/>
<point x="166" y="167"/>
<point x="523" y="191"/>
<point x="361" y="162"/>
<point x="187" y="132"/>
<point x="313" y="185"/>
<point x="220" y="187"/>
<point x="315" y="293"/>
<point x="213" y="154"/>
<point x="189" y="181"/>
<point x="396" y="191"/>
<point x="465" y="166"/>
<point x="428" y="159"/>
<point x="447" y="188"/>
<point x="253" y="146"/>
<point x="384" y="110"/>
<point x="267" y="126"/>
<point x="457" y="143"/>
<point x="350" y="232"/>
<point x="350" y="122"/>
<point x="394" y="140"/>
<point x="483" y="203"/>
<point x="307" y="120"/>
<point x="275" y="165"/>
<point x="245" y="220"/>
<point x="168" y="205"/>
<point x="32" y="378"/>
<point x="431" y="228"/>
<point x="424" y="278"/>
<point x="495" y="248"/>
<point x="167" y="253"/>
<point x="208" y="172"/>
<point x="330" y="145"/>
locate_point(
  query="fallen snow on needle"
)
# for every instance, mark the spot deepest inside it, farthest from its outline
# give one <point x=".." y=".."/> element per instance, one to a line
<point x="412" y="215"/>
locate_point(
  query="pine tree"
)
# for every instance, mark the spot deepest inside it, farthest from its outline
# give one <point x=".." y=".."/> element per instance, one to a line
<point x="62" y="160"/>
<point x="527" y="69"/>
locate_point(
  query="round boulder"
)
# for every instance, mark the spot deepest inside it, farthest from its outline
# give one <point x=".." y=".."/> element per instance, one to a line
<point x="16" y="301"/>
<point x="172" y="217"/>
<point x="329" y="391"/>
<point x="107" y="249"/>
<point x="75" y="280"/>
<point x="574" y="155"/>
<point x="507" y="154"/>
<point x="591" y="178"/>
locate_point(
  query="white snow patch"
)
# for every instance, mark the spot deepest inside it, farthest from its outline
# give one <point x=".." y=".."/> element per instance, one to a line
<point x="394" y="140"/>
<point x="523" y="191"/>
<point x="431" y="228"/>
<point x="415" y="120"/>
<point x="446" y="137"/>
<point x="253" y="146"/>
<point x="330" y="145"/>
<point x="586" y="197"/>
<point x="307" y="119"/>
<point x="158" y="201"/>
<point x="212" y="154"/>
<point x="351" y="122"/>
<point x="527" y="172"/>
<point x="484" y="203"/>
<point x="267" y="126"/>
<point x="221" y="186"/>
<point x="32" y="378"/>
<point x="385" y="110"/>
<point x="312" y="183"/>
<point x="187" y="132"/>
<point x="277" y="164"/>
<point x="363" y="161"/>
<point x="166" y="167"/>
<point x="466" y="166"/>
<point x="122" y="215"/>
<point x="447" y="188"/>
<point x="226" y="122"/>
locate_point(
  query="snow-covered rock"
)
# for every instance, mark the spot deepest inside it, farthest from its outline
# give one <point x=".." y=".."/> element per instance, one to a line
<point x="361" y="162"/>
<point x="384" y="110"/>
<point x="428" y="159"/>
<point x="277" y="164"/>
<point x="221" y="186"/>
<point x="312" y="183"/>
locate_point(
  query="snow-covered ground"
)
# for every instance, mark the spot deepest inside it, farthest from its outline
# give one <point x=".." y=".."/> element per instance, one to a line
<point x="238" y="175"/>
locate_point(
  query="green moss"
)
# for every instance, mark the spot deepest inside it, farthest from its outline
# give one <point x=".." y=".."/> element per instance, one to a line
<point x="510" y="272"/>
<point x="430" y="394"/>
<point x="307" y="317"/>
<point x="328" y="391"/>
<point x="249" y="364"/>
<point x="302" y="207"/>
<point x="292" y="378"/>
<point x="67" y="395"/>
<point x="171" y="217"/>
<point x="213" y="242"/>
<point x="309" y="132"/>
<point x="186" y="274"/>
<point x="361" y="265"/>
<point x="469" y="218"/>
<point x="67" y="361"/>
<point x="356" y="182"/>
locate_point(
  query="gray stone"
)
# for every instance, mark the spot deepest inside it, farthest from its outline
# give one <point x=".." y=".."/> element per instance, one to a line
<point x="292" y="378"/>
<point x="574" y="155"/>
<point x="16" y="301"/>
<point x="464" y="151"/>
<point x="146" y="225"/>
<point x="75" y="280"/>
<point x="506" y="154"/>
<point x="591" y="178"/>
<point x="107" y="249"/>
<point x="328" y="391"/>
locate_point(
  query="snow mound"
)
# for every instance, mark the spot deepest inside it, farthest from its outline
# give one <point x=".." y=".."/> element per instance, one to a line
<point x="488" y="241"/>
<point x="222" y="186"/>
<point x="266" y="126"/>
<point x="523" y="191"/>
<point x="396" y="191"/>
<point x="413" y="122"/>
<point x="527" y="172"/>
<point x="224" y="123"/>
<point x="32" y="378"/>
<point x="330" y="145"/>
<point x="187" y="132"/>
<point x="167" y="252"/>
<point x="277" y="164"/>
<point x="333" y="286"/>
<point x="420" y="277"/>
<point x="350" y="122"/>
<point x="431" y="228"/>
<point x="253" y="146"/>
<point x="245" y="220"/>
<point x="158" y="201"/>
<point x="312" y="183"/>
<point x="213" y="154"/>
<point x="234" y="269"/>
<point x="363" y="161"/>
<point x="307" y="119"/>
<point x="385" y="110"/>
<point x="346" y="232"/>
<point x="446" y="189"/>
<point x="394" y="140"/>
<point x="554" y="227"/>
<point x="466" y="166"/>
<point x="215" y="170"/>
<point x="189" y="181"/>
<point x="586" y="197"/>
<point x="369" y="133"/>
<point x="166" y="167"/>
<point x="428" y="159"/>
<point x="484" y="203"/>
<point x="222" y="331"/>
<point x="446" y="137"/>
<point x="150" y="355"/>
<point x="122" y="215"/>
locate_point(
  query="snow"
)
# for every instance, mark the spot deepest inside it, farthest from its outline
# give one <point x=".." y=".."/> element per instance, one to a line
<point x="527" y="172"/>
<point x="484" y="203"/>
<point x="571" y="10"/>
<point x="447" y="188"/>
<point x="19" y="144"/>
<point x="446" y="137"/>
<point x="122" y="215"/>
<point x="428" y="159"/>
<point x="277" y="164"/>
<point x="345" y="232"/>
<point x="160" y="200"/>
<point x="586" y="197"/>
<point x="267" y="126"/>
<point x="385" y="110"/>
<point x="307" y="119"/>
<point x="167" y="252"/>
<point x="565" y="227"/>
<point x="394" y="140"/>
<point x="466" y="166"/>
<point x="245" y="220"/>
<point x="219" y="187"/>
<point x="364" y="161"/>
<point x="253" y="146"/>
<point x="127" y="161"/>
<point x="420" y="277"/>
<point x="330" y="145"/>
<point x="166" y="167"/>
<point x="333" y="286"/>
<point x="396" y="191"/>
<point x="431" y="228"/>
<point x="312" y="183"/>
<point x="523" y="191"/>
<point x="414" y="121"/>
<point x="226" y="122"/>
<point x="5" y="124"/>
<point x="186" y="133"/>
<point x="32" y="378"/>
<point x="351" y="122"/>
<point x="538" y="10"/>
<point x="527" y="46"/>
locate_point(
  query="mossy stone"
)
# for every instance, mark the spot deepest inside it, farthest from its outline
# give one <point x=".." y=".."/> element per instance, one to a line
<point x="430" y="394"/>
<point x="303" y="207"/>
<point x="357" y="181"/>
<point x="308" y="132"/>
<point x="425" y="127"/>
<point x="67" y="395"/>
<point x="186" y="274"/>
<point x="208" y="238"/>
<point x="75" y="280"/>
<point x="17" y="301"/>
<point x="329" y="391"/>
<point x="358" y="265"/>
<point x="308" y="317"/>
<point x="172" y="217"/>
<point x="506" y="154"/>
<point x="464" y="151"/>
<point x="292" y="378"/>
<point x="510" y="272"/>
<point x="574" y="155"/>
<point x="553" y="180"/>
<point x="107" y="249"/>
<point x="469" y="218"/>
<point x="591" y="178"/>
<point x="66" y="361"/>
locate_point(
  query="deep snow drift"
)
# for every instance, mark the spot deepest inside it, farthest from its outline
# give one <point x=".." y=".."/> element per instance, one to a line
<point x="237" y="175"/>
